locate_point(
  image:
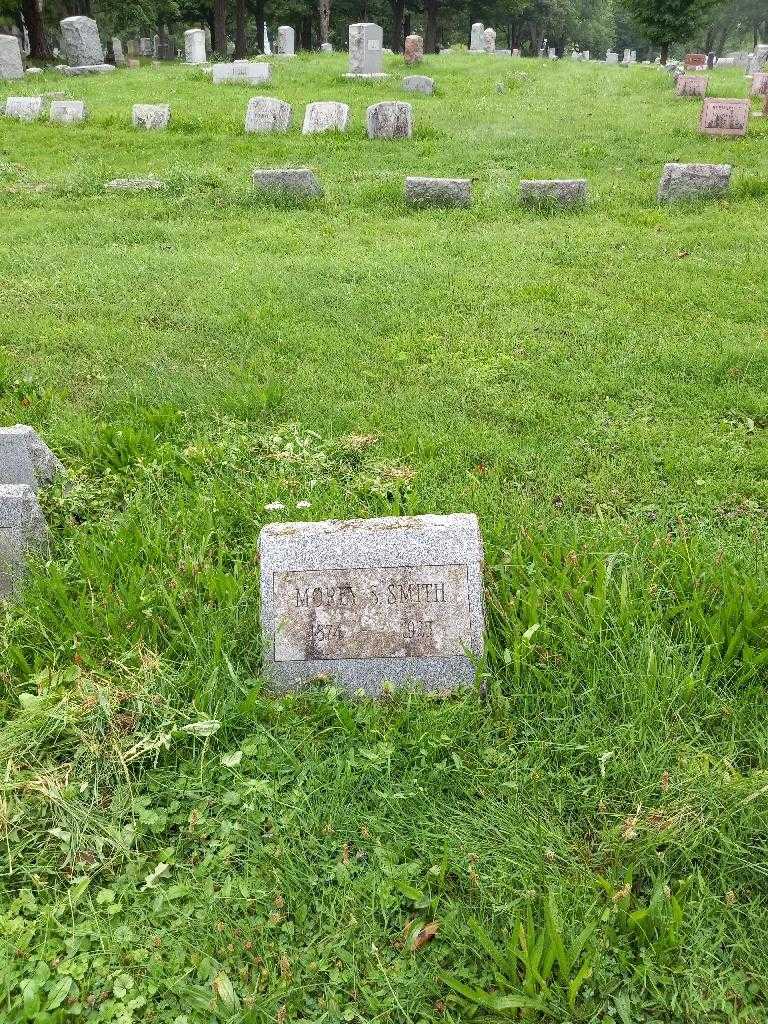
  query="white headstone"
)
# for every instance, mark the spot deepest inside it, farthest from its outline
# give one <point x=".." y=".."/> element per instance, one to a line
<point x="11" y="64"/>
<point x="286" y="41"/>
<point x="194" y="46"/>
<point x="476" y="37"/>
<point x="24" y="108"/>
<point x="325" y="116"/>
<point x="67" y="111"/>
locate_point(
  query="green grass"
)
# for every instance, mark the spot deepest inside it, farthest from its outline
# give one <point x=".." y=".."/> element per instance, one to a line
<point x="592" y="384"/>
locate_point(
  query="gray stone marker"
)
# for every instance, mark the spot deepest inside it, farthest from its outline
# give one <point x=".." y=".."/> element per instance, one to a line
<point x="22" y="526"/>
<point x="287" y="181"/>
<point x="372" y="601"/>
<point x="687" y="181"/>
<point x="325" y="116"/>
<point x="691" y="85"/>
<point x="25" y="458"/>
<point x="68" y="111"/>
<point x="117" y="51"/>
<point x="80" y="41"/>
<point x="85" y="69"/>
<point x="758" y="58"/>
<point x="24" y="108"/>
<point x="611" y="57"/>
<point x="438" y="191"/>
<point x="266" y="114"/>
<point x="151" y="116"/>
<point x="489" y="40"/>
<point x="11" y="63"/>
<point x="286" y="41"/>
<point x="145" y="46"/>
<point x="242" y="72"/>
<point x="365" y="50"/>
<point x="476" y="37"/>
<point x="389" y="120"/>
<point x="194" y="46"/>
<point x="555" y="191"/>
<point x="326" y="47"/>
<point x="135" y="184"/>
<point x="419" y="83"/>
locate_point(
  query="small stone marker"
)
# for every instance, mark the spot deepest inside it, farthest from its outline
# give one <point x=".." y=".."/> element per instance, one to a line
<point x="692" y="85"/>
<point x="11" y="63"/>
<point x="80" y="41"/>
<point x="287" y="181"/>
<point x="145" y="46"/>
<point x="194" y="46"/>
<point x="25" y="458"/>
<point x="151" y="116"/>
<point x="117" y="51"/>
<point x="85" y="69"/>
<point x="555" y="191"/>
<point x="414" y="49"/>
<point x="476" y="37"/>
<point x="266" y="114"/>
<point x="22" y="526"/>
<point x="134" y="184"/>
<point x="419" y="83"/>
<point x="365" y="50"/>
<point x="24" y="108"/>
<point x="759" y="85"/>
<point x="286" y="41"/>
<point x="438" y="191"/>
<point x="611" y="57"/>
<point x="688" y="181"/>
<point x="242" y="72"/>
<point x="67" y="111"/>
<point x="326" y="47"/>
<point x="325" y="116"/>
<point x="724" y="117"/>
<point x="389" y="120"/>
<point x="515" y="52"/>
<point x="695" y="60"/>
<point x="489" y="40"/>
<point x="585" y="54"/>
<point x="369" y="602"/>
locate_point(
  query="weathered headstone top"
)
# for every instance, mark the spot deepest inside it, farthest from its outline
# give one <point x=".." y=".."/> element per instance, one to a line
<point x="194" y="46"/>
<point x="267" y="114"/>
<point x="67" y="111"/>
<point x="438" y="191"/>
<point x="687" y="181"/>
<point x="389" y="120"/>
<point x="25" y="458"/>
<point x="151" y="116"/>
<point x="368" y="602"/>
<point x="22" y="526"/>
<point x="11" y="63"/>
<point x="476" y="37"/>
<point x="365" y="49"/>
<point x="117" y="51"/>
<point x="242" y="72"/>
<point x="325" y="116"/>
<point x="24" y="108"/>
<point x="80" y="41"/>
<point x="724" y="117"/>
<point x="298" y="182"/>
<point x="691" y="85"/>
<point x="419" y="83"/>
<point x="489" y="40"/>
<point x="759" y="85"/>
<point x="695" y="60"/>
<point x="286" y="41"/>
<point x="414" y="49"/>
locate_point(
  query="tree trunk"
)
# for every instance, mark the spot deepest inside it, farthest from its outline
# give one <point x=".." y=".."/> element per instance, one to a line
<point x="664" y="53"/>
<point x="220" y="27"/>
<point x="324" y="14"/>
<point x="33" y="19"/>
<point x="431" y="9"/>
<point x="241" y="14"/>
<point x="258" y="12"/>
<point x="398" y="15"/>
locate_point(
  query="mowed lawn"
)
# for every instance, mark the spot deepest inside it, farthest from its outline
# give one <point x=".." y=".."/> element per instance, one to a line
<point x="180" y="847"/>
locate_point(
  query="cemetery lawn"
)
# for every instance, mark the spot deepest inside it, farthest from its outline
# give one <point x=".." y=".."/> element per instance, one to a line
<point x="177" y="846"/>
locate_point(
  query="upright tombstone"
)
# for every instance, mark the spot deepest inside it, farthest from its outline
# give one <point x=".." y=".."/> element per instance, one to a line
<point x="611" y="57"/>
<point x="691" y="181"/>
<point x="585" y="54"/>
<point x="117" y="51"/>
<point x="266" y="114"/>
<point x="145" y="46"/>
<point x="419" y="83"/>
<point x="371" y="602"/>
<point x="325" y="116"/>
<point x="286" y="41"/>
<point x="25" y="458"/>
<point x="515" y="52"/>
<point x="758" y="59"/>
<point x="489" y="40"/>
<point x="22" y="526"/>
<point x="67" y="111"/>
<point x="414" y="49"/>
<point x="724" y="117"/>
<point x="476" y="37"/>
<point x="695" y="60"/>
<point x="691" y="85"/>
<point x="132" y="49"/>
<point x="759" y="86"/>
<point x="365" y="50"/>
<point x="24" y="108"/>
<point x="551" y="53"/>
<point x="151" y="116"/>
<point x="389" y="120"/>
<point x="194" y="46"/>
<point x="80" y="41"/>
<point x="11" y="63"/>
<point x="243" y="72"/>
<point x="326" y="47"/>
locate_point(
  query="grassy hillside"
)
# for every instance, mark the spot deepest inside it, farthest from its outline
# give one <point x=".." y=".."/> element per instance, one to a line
<point x="592" y="384"/>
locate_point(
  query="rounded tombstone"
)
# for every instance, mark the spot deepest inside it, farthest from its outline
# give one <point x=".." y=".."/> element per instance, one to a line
<point x="414" y="49"/>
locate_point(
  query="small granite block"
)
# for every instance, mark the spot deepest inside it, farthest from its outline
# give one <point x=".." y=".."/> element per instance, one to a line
<point x="724" y="117"/>
<point x="266" y="114"/>
<point x="687" y="181"/>
<point x="25" y="458"/>
<point x="22" y="526"/>
<point x="419" y="83"/>
<point x="557" y="191"/>
<point x="389" y="120"/>
<point x="67" y="111"/>
<point x="24" y="108"/>
<point x="691" y="85"/>
<point x="11" y="63"/>
<point x="135" y="184"/>
<point x="151" y="116"/>
<point x="287" y="181"/>
<point x="372" y="601"/>
<point x="325" y="116"/>
<point x="438" y="191"/>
